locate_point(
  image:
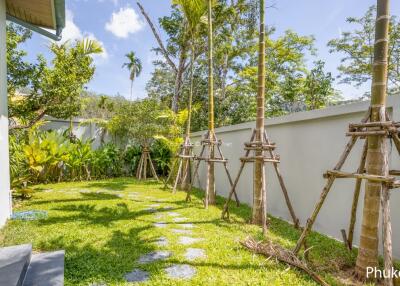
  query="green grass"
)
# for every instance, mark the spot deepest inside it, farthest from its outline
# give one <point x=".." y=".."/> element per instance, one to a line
<point x="104" y="235"/>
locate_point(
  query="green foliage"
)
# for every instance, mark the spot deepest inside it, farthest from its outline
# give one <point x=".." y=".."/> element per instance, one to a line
<point x="51" y="156"/>
<point x="290" y="84"/>
<point x="131" y="158"/>
<point x="134" y="65"/>
<point x="161" y="154"/>
<point x="49" y="89"/>
<point x="357" y="48"/>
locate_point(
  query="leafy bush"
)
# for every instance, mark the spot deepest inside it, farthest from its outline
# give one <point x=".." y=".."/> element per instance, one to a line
<point x="161" y="153"/>
<point x="131" y="158"/>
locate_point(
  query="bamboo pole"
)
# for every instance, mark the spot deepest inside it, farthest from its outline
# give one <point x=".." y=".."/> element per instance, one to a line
<point x="356" y="196"/>
<point x="387" y="234"/>
<point x="282" y="184"/>
<point x="323" y="196"/>
<point x="226" y="206"/>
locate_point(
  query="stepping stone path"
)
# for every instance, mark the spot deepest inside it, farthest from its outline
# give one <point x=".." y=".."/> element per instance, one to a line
<point x="160" y="224"/>
<point x="182" y="271"/>
<point x="154" y="206"/>
<point x="187" y="240"/>
<point x="194" y="253"/>
<point x="186" y="225"/>
<point x="154" y="256"/>
<point x="162" y="241"/>
<point x="179" y="219"/>
<point x="173" y="214"/>
<point x="137" y="275"/>
<point x="182" y="231"/>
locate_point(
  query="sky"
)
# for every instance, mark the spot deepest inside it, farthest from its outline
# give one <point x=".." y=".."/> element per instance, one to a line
<point x="120" y="28"/>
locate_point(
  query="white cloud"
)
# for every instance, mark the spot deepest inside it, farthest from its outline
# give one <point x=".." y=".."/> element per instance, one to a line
<point x="124" y="22"/>
<point x="72" y="33"/>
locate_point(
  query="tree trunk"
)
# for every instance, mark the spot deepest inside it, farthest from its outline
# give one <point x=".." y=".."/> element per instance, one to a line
<point x="178" y="80"/>
<point x="377" y="157"/>
<point x="210" y="191"/>
<point x="186" y="162"/>
<point x="259" y="203"/>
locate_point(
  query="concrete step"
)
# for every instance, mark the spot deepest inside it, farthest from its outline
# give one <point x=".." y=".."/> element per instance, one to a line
<point x="14" y="262"/>
<point x="46" y="269"/>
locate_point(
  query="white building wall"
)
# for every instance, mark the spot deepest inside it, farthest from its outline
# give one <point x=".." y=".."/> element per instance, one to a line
<point x="5" y="197"/>
<point x="309" y="143"/>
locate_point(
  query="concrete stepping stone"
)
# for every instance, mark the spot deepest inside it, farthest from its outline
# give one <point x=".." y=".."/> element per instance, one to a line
<point x="195" y="253"/>
<point x="187" y="240"/>
<point x="160" y="200"/>
<point x="154" y="206"/>
<point x="160" y="224"/>
<point x="167" y="208"/>
<point x="180" y="271"/>
<point x="187" y="225"/>
<point x="150" y="210"/>
<point x="158" y="216"/>
<point x="162" y="241"/>
<point x="154" y="256"/>
<point x="137" y="275"/>
<point x="179" y="219"/>
<point x="173" y="213"/>
<point x="182" y="231"/>
<point x="98" y="284"/>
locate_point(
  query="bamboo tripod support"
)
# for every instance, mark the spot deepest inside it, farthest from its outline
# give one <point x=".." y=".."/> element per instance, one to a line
<point x="265" y="146"/>
<point x="385" y="128"/>
<point x="210" y="142"/>
<point x="141" y="172"/>
<point x="185" y="157"/>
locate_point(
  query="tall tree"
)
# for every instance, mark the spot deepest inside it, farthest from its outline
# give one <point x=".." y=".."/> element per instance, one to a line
<point x="210" y="164"/>
<point x="377" y="155"/>
<point x="52" y="90"/>
<point x="193" y="11"/>
<point x="357" y="48"/>
<point x="259" y="202"/>
<point x="134" y="65"/>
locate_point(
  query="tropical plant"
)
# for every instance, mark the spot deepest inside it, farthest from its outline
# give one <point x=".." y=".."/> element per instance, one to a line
<point x="48" y="89"/>
<point x="259" y="192"/>
<point x="161" y="154"/>
<point x="131" y="157"/>
<point x="377" y="153"/>
<point x="134" y="65"/>
<point x="357" y="48"/>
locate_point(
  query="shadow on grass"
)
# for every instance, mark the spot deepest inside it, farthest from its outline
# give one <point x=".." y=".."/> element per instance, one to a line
<point x="101" y="216"/>
<point x="85" y="197"/>
<point x="110" y="261"/>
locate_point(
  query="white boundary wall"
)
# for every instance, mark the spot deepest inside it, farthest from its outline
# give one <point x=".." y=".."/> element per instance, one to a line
<point x="5" y="196"/>
<point x="309" y="143"/>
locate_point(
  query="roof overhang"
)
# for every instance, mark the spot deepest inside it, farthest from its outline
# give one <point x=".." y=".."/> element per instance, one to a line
<point x="38" y="15"/>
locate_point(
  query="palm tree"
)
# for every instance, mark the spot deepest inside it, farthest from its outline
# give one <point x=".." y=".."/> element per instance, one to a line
<point x="210" y="190"/>
<point x="134" y="66"/>
<point x="193" y="11"/>
<point x="259" y="212"/>
<point x="377" y="155"/>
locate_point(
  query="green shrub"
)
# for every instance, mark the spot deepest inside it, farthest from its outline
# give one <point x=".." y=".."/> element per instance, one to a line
<point x="131" y="158"/>
<point x="161" y="154"/>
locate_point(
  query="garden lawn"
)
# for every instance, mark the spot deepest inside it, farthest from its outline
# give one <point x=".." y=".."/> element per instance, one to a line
<point x="105" y="226"/>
